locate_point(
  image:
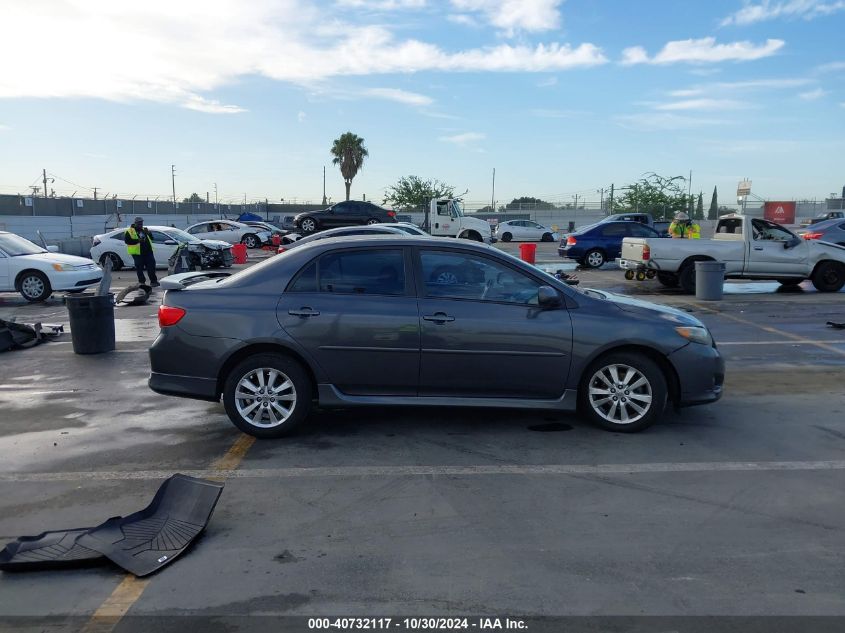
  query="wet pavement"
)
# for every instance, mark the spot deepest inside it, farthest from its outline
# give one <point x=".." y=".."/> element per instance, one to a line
<point x="736" y="508"/>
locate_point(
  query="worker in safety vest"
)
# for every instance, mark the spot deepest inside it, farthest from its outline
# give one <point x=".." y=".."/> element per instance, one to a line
<point x="683" y="227"/>
<point x="139" y="244"/>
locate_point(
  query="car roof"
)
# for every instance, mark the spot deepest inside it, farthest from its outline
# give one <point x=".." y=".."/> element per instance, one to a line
<point x="825" y="224"/>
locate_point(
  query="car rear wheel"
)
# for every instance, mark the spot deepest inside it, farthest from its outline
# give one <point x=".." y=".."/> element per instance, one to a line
<point x="116" y="261"/>
<point x="547" y="237"/>
<point x="789" y="282"/>
<point x="250" y="241"/>
<point x="507" y="237"/>
<point x="308" y="225"/>
<point x="594" y="258"/>
<point x="34" y="286"/>
<point x="623" y="392"/>
<point x="373" y="221"/>
<point x="268" y="395"/>
<point x="668" y="279"/>
<point x="829" y="277"/>
<point x="686" y="278"/>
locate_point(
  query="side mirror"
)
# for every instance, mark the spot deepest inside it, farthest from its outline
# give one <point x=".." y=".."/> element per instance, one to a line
<point x="52" y="248"/>
<point x="548" y="297"/>
<point x="170" y="242"/>
<point x="795" y="241"/>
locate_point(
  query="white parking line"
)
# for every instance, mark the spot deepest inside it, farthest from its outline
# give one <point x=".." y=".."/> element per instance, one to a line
<point x="792" y="342"/>
<point x="427" y="471"/>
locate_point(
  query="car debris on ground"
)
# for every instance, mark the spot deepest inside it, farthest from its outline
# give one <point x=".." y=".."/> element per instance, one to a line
<point x="15" y="335"/>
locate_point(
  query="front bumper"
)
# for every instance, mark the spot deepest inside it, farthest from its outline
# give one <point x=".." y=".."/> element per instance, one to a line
<point x="701" y="373"/>
<point x="75" y="279"/>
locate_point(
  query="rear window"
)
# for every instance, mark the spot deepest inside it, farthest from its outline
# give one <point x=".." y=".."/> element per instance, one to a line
<point x="614" y="230"/>
<point x="371" y="272"/>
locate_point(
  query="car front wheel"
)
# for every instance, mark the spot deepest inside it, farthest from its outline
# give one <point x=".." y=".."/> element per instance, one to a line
<point x="623" y="392"/>
<point x="116" y="261"/>
<point x="547" y="237"/>
<point x="268" y="395"/>
<point x="34" y="286"/>
<point x="829" y="277"/>
<point x="308" y="225"/>
<point x="250" y="241"/>
<point x="507" y="237"/>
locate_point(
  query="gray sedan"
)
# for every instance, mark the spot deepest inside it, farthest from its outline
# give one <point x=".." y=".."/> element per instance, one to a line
<point x="828" y="231"/>
<point x="388" y="320"/>
<point x="348" y="231"/>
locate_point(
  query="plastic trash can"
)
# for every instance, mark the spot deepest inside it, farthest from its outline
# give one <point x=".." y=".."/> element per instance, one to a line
<point x="91" y="323"/>
<point x="709" y="279"/>
<point x="239" y="252"/>
<point x="528" y="253"/>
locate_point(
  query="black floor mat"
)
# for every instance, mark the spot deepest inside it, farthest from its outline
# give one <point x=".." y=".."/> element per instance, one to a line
<point x="148" y="540"/>
<point x="49" y="550"/>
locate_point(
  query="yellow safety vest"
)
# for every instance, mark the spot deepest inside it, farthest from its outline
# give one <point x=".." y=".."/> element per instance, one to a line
<point x="690" y="231"/>
<point x="135" y="249"/>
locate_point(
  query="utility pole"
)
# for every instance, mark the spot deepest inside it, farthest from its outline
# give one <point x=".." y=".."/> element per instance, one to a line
<point x="324" y="185"/>
<point x="207" y="198"/>
<point x="44" y="175"/>
<point x="493" y="194"/>
<point x="95" y="192"/>
<point x="215" y="196"/>
<point x="173" y="182"/>
<point x="576" y="201"/>
<point x="601" y="199"/>
<point x="611" y="198"/>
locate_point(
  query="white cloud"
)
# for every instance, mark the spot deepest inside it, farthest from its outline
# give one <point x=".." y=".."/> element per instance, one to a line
<point x="463" y="19"/>
<point x="704" y="50"/>
<point x="767" y="10"/>
<point x="211" y="106"/>
<point x="655" y="121"/>
<point x="548" y="82"/>
<point x="813" y="95"/>
<point x="180" y="52"/>
<point x="401" y="96"/>
<point x="301" y="116"/>
<point x="382" y="5"/>
<point x="463" y="139"/>
<point x="831" y="67"/>
<point x="515" y="15"/>
<point x="747" y="85"/>
<point x="703" y="104"/>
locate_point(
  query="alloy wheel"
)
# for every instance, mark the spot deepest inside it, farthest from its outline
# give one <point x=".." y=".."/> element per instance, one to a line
<point x="32" y="286"/>
<point x="595" y="259"/>
<point x="265" y="397"/>
<point x="620" y="394"/>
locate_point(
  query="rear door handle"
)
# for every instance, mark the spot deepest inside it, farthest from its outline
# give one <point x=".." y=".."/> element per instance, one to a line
<point x="439" y="317"/>
<point x="304" y="312"/>
<point x="758" y="248"/>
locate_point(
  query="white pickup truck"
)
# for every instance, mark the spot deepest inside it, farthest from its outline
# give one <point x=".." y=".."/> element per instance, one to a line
<point x="751" y="248"/>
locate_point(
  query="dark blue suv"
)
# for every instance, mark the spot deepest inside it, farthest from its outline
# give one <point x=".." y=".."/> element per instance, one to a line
<point x="596" y="244"/>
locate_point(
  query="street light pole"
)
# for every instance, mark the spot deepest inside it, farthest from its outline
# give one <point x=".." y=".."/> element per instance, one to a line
<point x="173" y="182"/>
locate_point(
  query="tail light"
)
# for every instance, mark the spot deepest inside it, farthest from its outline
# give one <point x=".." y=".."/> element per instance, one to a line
<point x="281" y="249"/>
<point x="391" y="214"/>
<point x="571" y="241"/>
<point x="646" y="253"/>
<point x="816" y="235"/>
<point x="96" y="241"/>
<point x="169" y="315"/>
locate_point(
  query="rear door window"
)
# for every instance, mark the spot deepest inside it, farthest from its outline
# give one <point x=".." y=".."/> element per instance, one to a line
<point x="615" y="230"/>
<point x="370" y="272"/>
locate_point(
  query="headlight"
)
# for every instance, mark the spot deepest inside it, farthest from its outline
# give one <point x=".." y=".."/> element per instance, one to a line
<point x="695" y="334"/>
<point x="63" y="267"/>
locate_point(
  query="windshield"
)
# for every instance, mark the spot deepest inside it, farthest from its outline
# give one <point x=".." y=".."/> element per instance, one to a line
<point x="455" y="207"/>
<point x="15" y="245"/>
<point x="181" y="236"/>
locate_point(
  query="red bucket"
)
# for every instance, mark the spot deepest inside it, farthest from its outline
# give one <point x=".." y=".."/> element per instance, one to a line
<point x="239" y="253"/>
<point x="528" y="253"/>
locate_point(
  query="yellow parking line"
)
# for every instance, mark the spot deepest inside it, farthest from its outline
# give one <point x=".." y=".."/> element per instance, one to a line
<point x="128" y="592"/>
<point x="772" y="330"/>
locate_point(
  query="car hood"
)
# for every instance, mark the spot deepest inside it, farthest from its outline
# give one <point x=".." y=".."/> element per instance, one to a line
<point x="57" y="258"/>
<point x="216" y="244"/>
<point x="645" y="308"/>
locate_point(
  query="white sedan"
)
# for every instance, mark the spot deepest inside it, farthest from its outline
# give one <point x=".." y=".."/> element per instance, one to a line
<point x="525" y="231"/>
<point x="165" y="241"/>
<point x="230" y="231"/>
<point x="36" y="272"/>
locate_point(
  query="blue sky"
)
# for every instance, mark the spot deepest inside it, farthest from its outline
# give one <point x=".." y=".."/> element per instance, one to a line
<point x="559" y="97"/>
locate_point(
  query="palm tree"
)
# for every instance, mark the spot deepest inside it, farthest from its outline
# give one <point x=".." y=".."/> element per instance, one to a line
<point x="349" y="152"/>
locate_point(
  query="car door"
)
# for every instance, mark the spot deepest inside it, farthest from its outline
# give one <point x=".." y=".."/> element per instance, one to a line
<point x="533" y="231"/>
<point x="202" y="231"/>
<point x="342" y="214"/>
<point x="5" y="273"/>
<point x="161" y="249"/>
<point x="229" y="232"/>
<point x="482" y="333"/>
<point x="768" y="254"/>
<point x="355" y="312"/>
<point x="612" y="236"/>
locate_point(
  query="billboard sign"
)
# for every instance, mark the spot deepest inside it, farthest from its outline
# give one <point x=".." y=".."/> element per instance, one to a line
<point x="743" y="188"/>
<point x="780" y="212"/>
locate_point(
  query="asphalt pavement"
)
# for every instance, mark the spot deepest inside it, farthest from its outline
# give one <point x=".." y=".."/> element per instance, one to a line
<point x="731" y="509"/>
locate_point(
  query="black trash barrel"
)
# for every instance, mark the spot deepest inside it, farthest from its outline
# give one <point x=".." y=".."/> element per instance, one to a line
<point x="91" y="323"/>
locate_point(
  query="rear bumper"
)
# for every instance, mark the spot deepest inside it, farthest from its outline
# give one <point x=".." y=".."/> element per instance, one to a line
<point x="701" y="373"/>
<point x="184" y="386"/>
<point x="571" y="253"/>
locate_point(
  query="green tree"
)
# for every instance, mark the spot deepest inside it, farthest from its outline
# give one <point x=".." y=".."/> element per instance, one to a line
<point x="699" y="207"/>
<point x="713" y="212"/>
<point x="349" y="153"/>
<point x="194" y="197"/>
<point x="661" y="196"/>
<point x="413" y="191"/>
<point x="536" y="203"/>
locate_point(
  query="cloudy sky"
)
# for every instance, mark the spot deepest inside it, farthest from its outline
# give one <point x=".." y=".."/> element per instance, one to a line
<point x="560" y="97"/>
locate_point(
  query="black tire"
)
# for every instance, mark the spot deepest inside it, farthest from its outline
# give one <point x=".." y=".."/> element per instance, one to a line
<point x="507" y="237"/>
<point x="595" y="258"/>
<point x="116" y="261"/>
<point x="669" y="280"/>
<point x="686" y="279"/>
<point x="789" y="282"/>
<point x="656" y="388"/>
<point x="34" y="286"/>
<point x="474" y="236"/>
<point x="373" y="221"/>
<point x="301" y="389"/>
<point x="308" y="226"/>
<point x="250" y="241"/>
<point x="829" y="277"/>
<point x="547" y="237"/>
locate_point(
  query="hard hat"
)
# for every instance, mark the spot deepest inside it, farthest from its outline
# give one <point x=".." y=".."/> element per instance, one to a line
<point x="681" y="216"/>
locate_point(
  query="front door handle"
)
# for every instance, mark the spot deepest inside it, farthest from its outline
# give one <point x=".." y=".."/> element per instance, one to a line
<point x="440" y="318"/>
<point x="758" y="248"/>
<point x="304" y="312"/>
